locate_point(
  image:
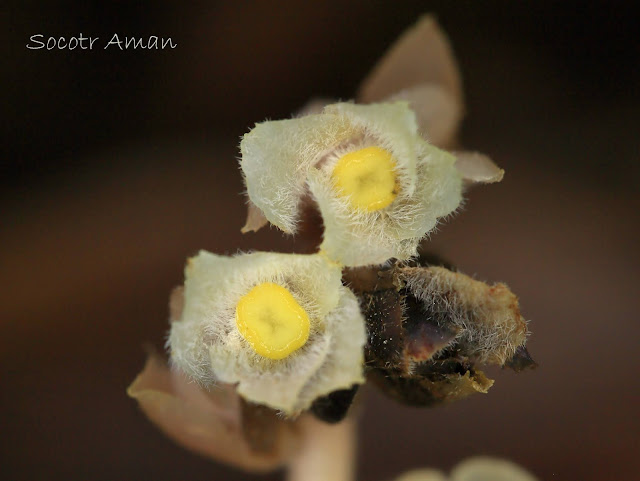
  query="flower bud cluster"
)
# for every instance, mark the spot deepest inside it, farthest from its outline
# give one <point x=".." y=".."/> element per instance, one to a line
<point x="292" y="332"/>
<point x="281" y="342"/>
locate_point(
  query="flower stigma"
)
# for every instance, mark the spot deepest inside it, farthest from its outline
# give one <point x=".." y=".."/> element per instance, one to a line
<point x="367" y="177"/>
<point x="271" y="321"/>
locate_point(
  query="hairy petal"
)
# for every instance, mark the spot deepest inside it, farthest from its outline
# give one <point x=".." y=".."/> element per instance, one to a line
<point x="207" y="345"/>
<point x="359" y="238"/>
<point x="394" y="128"/>
<point x="276" y="157"/>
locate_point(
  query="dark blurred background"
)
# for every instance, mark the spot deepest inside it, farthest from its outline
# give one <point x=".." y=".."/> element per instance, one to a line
<point x="116" y="166"/>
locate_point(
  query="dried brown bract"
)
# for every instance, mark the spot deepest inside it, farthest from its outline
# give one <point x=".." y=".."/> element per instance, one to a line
<point x="215" y="423"/>
<point x="429" y="328"/>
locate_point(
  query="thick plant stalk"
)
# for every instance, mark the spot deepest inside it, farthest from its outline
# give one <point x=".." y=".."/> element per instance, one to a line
<point x="327" y="452"/>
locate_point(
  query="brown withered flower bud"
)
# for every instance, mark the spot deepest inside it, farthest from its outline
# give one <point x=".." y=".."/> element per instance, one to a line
<point x="430" y="327"/>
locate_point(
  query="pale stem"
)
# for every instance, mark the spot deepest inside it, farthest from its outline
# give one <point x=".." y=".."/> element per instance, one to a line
<point x="327" y="452"/>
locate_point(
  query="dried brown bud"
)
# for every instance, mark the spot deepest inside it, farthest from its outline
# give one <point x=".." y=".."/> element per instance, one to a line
<point x="429" y="327"/>
<point x="487" y="318"/>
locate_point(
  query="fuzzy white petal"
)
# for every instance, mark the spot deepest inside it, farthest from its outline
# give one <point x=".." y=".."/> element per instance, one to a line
<point x="355" y="238"/>
<point x="343" y="366"/>
<point x="207" y="345"/>
<point x="276" y="157"/>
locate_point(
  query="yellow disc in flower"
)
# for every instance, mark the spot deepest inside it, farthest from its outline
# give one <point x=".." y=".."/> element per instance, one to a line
<point x="367" y="176"/>
<point x="271" y="321"/>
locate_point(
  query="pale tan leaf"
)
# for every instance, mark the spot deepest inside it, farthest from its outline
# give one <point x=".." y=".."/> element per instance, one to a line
<point x="255" y="219"/>
<point x="421" y="55"/>
<point x="314" y="106"/>
<point x="477" y="168"/>
<point x="437" y="111"/>
<point x="208" y="423"/>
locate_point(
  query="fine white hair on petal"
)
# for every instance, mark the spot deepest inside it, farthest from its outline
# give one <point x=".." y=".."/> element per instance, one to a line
<point x="393" y="125"/>
<point x="334" y="361"/>
<point x="277" y="156"/>
<point x="207" y="345"/>
<point x="356" y="237"/>
<point x="343" y="366"/>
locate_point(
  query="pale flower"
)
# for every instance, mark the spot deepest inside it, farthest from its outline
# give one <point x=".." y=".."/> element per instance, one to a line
<point x="379" y="186"/>
<point x="281" y="327"/>
<point x="411" y="107"/>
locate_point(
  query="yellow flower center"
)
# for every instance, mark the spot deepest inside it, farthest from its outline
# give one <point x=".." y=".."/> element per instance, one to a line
<point x="367" y="177"/>
<point x="271" y="321"/>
